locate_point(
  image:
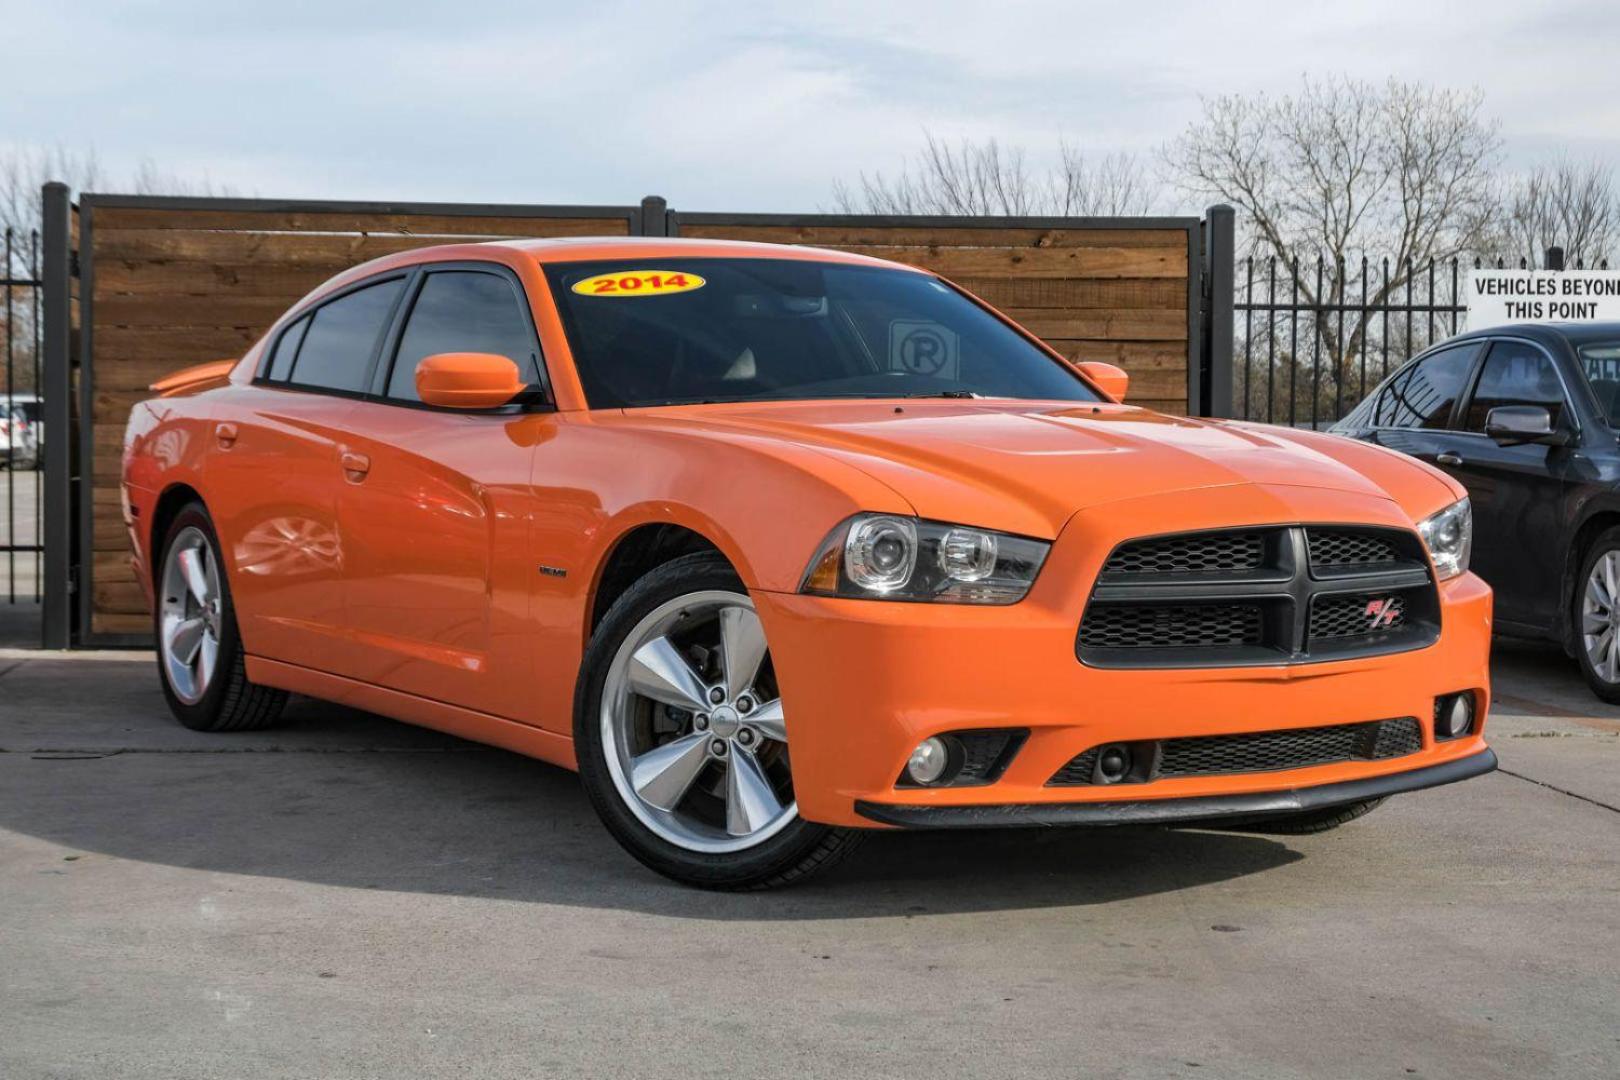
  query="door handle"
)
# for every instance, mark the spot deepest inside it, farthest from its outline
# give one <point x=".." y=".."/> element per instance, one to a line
<point x="1449" y="457"/>
<point x="355" y="466"/>
<point x="225" y="435"/>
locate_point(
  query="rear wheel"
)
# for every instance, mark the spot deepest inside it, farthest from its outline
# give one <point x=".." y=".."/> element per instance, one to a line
<point x="1595" y="612"/>
<point x="200" y="657"/>
<point x="681" y="740"/>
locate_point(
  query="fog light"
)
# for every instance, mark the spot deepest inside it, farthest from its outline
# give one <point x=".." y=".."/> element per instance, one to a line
<point x="929" y="761"/>
<point x="1454" y="715"/>
<point x="1113" y="763"/>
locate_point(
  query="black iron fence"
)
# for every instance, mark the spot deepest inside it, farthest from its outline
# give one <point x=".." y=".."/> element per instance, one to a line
<point x="1313" y="336"/>
<point x="22" y="435"/>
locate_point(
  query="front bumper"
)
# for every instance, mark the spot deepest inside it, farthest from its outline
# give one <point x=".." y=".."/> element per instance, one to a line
<point x="868" y="680"/>
<point x="1213" y="809"/>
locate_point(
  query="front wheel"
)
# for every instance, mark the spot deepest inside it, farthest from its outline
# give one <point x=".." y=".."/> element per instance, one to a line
<point x="1595" y="613"/>
<point x="680" y="735"/>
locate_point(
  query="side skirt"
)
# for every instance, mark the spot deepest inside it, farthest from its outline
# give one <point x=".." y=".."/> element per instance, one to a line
<point x="407" y="708"/>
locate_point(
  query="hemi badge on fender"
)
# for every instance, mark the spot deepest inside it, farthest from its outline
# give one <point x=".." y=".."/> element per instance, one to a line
<point x="553" y="571"/>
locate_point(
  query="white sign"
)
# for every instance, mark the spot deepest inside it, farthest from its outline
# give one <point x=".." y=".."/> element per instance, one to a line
<point x="924" y="348"/>
<point x="1496" y="297"/>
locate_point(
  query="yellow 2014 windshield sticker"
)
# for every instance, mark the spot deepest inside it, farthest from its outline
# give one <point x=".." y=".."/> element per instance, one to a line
<point x="638" y="283"/>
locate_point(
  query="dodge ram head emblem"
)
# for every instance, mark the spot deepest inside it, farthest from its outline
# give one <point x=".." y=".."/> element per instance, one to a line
<point x="1382" y="612"/>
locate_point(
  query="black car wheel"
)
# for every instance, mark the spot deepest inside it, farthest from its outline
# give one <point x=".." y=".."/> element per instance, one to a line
<point x="1595" y="612"/>
<point x="680" y="735"/>
<point x="200" y="658"/>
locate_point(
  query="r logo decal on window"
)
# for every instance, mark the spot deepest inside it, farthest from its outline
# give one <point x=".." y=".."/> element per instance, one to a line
<point x="924" y="348"/>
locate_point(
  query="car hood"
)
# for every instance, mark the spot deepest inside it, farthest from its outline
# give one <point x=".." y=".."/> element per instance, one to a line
<point x="1028" y="467"/>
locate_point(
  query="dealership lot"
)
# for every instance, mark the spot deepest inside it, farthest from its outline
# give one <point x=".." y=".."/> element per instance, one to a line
<point x="346" y="896"/>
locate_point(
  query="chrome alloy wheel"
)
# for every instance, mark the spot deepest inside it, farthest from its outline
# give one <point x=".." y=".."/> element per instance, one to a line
<point x="1600" y="617"/>
<point x="190" y="615"/>
<point x="692" y="725"/>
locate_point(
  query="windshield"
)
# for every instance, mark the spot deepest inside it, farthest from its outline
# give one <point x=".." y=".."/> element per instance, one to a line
<point x="670" y="331"/>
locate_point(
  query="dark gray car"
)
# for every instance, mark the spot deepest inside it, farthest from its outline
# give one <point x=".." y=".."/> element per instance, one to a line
<point x="1527" y="418"/>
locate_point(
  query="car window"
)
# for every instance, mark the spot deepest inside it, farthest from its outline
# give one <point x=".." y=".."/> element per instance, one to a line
<point x="655" y="332"/>
<point x="281" y="360"/>
<point x="1600" y="364"/>
<point x="1422" y="395"/>
<point x="463" y="311"/>
<point x="1515" y="373"/>
<point x="337" y="347"/>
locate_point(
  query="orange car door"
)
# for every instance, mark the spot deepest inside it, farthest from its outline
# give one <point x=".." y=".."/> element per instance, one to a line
<point x="434" y="510"/>
<point x="273" y="476"/>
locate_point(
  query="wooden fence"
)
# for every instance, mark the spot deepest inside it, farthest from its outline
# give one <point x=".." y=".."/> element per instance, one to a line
<point x="173" y="282"/>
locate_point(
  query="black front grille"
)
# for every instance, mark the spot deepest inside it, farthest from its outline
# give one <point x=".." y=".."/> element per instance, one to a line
<point x="1176" y="626"/>
<point x="1269" y="751"/>
<point x="1280" y="594"/>
<point x="1339" y="547"/>
<point x="1264" y="751"/>
<point x="1081" y="769"/>
<point x="1195" y="553"/>
<point x="1356" y="615"/>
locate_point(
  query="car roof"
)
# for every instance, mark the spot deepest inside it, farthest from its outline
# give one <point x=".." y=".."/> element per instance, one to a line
<point x="1582" y="333"/>
<point x="592" y="248"/>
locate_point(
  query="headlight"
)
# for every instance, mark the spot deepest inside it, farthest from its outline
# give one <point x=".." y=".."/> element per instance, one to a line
<point x="886" y="557"/>
<point x="1449" y="536"/>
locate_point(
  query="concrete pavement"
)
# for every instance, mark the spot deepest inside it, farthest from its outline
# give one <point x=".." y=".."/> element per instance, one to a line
<point x="348" y="897"/>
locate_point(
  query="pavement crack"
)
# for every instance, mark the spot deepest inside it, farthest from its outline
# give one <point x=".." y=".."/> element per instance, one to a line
<point x="1562" y="791"/>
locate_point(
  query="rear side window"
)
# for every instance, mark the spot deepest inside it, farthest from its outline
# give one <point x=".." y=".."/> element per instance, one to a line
<point x="337" y="348"/>
<point x="1516" y="373"/>
<point x="463" y="311"/>
<point x="281" y="361"/>
<point x="1423" y="395"/>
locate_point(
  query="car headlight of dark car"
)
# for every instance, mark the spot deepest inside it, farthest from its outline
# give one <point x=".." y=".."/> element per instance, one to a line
<point x="890" y="557"/>
<point x="1449" y="536"/>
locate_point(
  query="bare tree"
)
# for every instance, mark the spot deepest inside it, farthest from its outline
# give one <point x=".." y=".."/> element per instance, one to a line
<point x="988" y="179"/>
<point x="24" y="171"/>
<point x="149" y="179"/>
<point x="1568" y="204"/>
<point x="1341" y="169"/>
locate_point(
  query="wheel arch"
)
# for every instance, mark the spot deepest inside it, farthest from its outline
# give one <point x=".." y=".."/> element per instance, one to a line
<point x="170" y="501"/>
<point x="638" y="548"/>
<point x="1591" y="527"/>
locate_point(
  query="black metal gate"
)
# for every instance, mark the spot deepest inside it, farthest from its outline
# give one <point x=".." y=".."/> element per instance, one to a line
<point x="1313" y="336"/>
<point x="21" y="421"/>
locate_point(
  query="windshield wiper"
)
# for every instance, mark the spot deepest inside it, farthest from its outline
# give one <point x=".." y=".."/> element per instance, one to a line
<point x="946" y="394"/>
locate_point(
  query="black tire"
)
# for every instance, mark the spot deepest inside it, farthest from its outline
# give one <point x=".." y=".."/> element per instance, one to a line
<point x="230" y="702"/>
<point x="1605" y="542"/>
<point x="800" y="849"/>
<point x="1311" y="821"/>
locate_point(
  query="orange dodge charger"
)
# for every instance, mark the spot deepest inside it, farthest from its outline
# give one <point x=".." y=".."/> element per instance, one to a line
<point x="775" y="545"/>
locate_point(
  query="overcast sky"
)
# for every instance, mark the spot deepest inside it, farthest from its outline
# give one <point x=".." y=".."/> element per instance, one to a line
<point x="744" y="105"/>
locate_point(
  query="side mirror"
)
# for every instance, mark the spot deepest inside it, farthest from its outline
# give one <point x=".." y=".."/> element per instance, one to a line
<point x="1514" y="425"/>
<point x="1109" y="379"/>
<point x="467" y="380"/>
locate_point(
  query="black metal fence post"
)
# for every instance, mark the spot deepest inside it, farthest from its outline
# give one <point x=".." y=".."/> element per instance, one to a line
<point x="1220" y="271"/>
<point x="57" y="392"/>
<point x="654" y="216"/>
<point x="1555" y="258"/>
